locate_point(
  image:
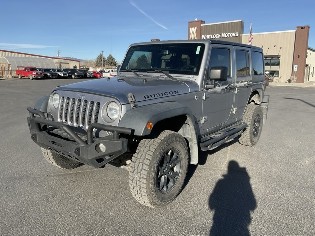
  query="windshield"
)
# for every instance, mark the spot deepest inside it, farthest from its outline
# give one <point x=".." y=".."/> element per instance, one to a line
<point x="175" y="58"/>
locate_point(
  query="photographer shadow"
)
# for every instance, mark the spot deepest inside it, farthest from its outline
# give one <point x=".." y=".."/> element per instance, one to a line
<point x="232" y="201"/>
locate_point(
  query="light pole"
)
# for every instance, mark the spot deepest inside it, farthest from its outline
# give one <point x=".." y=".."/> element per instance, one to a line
<point x="102" y="60"/>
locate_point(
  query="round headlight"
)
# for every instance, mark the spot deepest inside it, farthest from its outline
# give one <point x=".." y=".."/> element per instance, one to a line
<point x="113" y="110"/>
<point x="54" y="100"/>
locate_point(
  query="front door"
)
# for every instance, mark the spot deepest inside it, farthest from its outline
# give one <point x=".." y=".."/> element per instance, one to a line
<point x="217" y="101"/>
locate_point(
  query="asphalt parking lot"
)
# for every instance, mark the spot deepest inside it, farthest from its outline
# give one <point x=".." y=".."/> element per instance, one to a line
<point x="268" y="189"/>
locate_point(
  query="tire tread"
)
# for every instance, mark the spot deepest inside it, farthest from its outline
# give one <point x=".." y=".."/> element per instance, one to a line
<point x="140" y="166"/>
<point x="246" y="138"/>
<point x="59" y="160"/>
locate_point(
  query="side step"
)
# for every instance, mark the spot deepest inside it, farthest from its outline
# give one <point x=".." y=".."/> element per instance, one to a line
<point x="217" y="139"/>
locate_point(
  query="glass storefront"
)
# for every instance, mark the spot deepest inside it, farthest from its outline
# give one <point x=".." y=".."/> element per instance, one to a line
<point x="272" y="66"/>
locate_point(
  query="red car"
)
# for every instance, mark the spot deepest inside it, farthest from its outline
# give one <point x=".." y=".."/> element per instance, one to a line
<point x="28" y="72"/>
<point x="96" y="74"/>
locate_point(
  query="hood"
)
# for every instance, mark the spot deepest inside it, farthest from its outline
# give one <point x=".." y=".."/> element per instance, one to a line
<point x="142" y="89"/>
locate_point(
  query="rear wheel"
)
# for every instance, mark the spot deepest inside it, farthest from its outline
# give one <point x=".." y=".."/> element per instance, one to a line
<point x="253" y="117"/>
<point x="158" y="169"/>
<point x="59" y="160"/>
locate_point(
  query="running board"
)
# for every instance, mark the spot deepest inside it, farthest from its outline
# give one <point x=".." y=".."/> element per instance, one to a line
<point x="217" y="139"/>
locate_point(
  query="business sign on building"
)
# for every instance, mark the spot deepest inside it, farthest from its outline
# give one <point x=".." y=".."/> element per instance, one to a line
<point x="228" y="31"/>
<point x="220" y="36"/>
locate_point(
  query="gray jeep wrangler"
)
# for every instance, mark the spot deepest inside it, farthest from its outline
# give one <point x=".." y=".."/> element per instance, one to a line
<point x="170" y="101"/>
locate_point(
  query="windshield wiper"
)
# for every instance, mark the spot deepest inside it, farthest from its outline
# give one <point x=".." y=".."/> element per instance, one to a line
<point x="163" y="72"/>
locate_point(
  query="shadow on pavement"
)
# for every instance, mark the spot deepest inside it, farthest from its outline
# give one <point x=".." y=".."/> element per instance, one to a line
<point x="203" y="157"/>
<point x="301" y="100"/>
<point x="232" y="201"/>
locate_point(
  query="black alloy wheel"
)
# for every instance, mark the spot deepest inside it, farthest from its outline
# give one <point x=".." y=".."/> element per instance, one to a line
<point x="256" y="125"/>
<point x="168" y="171"/>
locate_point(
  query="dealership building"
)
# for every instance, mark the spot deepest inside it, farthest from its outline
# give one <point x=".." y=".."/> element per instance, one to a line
<point x="11" y="60"/>
<point x="287" y="55"/>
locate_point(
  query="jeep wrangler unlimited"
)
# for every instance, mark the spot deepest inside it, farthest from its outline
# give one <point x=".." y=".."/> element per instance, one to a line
<point x="170" y="100"/>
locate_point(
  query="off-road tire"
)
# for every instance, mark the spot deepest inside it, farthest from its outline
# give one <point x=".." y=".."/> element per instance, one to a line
<point x="148" y="169"/>
<point x="59" y="160"/>
<point x="253" y="117"/>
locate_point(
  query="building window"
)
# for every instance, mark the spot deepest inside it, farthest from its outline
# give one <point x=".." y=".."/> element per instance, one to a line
<point x="272" y="65"/>
<point x="272" y="61"/>
<point x="242" y="63"/>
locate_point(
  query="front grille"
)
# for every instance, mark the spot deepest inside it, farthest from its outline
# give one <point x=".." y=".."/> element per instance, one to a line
<point x="78" y="112"/>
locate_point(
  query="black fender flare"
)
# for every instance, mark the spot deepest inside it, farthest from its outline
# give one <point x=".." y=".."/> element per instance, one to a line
<point x="42" y="103"/>
<point x="137" y="118"/>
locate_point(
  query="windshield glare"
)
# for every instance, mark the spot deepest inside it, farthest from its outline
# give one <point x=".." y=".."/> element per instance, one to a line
<point x="175" y="58"/>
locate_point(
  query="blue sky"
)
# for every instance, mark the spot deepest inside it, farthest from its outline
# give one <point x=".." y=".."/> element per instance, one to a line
<point x="83" y="29"/>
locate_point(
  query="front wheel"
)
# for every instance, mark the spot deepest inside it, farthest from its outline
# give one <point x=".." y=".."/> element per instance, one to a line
<point x="59" y="160"/>
<point x="158" y="169"/>
<point x="253" y="117"/>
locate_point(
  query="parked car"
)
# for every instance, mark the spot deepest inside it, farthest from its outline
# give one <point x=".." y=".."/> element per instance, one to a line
<point x="28" y="72"/>
<point x="161" y="112"/>
<point x="96" y="74"/>
<point x="89" y="74"/>
<point x="84" y="72"/>
<point x="49" y="73"/>
<point x="110" y="73"/>
<point x="74" y="73"/>
<point x="61" y="73"/>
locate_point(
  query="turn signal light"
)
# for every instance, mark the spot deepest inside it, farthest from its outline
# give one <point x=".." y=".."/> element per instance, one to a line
<point x="149" y="125"/>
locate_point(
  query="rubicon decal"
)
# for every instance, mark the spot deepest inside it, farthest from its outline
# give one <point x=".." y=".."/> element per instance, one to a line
<point x="162" y="94"/>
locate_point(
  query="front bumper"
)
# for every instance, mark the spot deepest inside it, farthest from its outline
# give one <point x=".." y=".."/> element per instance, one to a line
<point x="82" y="147"/>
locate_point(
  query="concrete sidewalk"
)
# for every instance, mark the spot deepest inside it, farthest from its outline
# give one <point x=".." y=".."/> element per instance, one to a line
<point x="300" y="85"/>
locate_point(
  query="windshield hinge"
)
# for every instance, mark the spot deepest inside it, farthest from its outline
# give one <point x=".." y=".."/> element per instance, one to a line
<point x="132" y="100"/>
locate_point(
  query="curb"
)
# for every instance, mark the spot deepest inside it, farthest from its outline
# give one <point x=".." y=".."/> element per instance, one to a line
<point x="299" y="85"/>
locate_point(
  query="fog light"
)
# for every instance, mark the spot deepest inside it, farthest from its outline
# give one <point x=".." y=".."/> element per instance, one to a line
<point x="101" y="147"/>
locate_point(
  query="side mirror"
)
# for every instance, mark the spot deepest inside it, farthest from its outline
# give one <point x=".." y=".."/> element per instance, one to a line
<point x="218" y="73"/>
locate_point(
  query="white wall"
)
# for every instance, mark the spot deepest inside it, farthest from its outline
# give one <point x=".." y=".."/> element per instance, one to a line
<point x="310" y="69"/>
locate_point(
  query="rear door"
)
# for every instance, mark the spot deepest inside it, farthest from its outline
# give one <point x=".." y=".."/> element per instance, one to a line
<point x="243" y="81"/>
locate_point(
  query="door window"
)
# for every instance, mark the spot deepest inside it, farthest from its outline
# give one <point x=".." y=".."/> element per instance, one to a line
<point x="242" y="63"/>
<point x="220" y="57"/>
